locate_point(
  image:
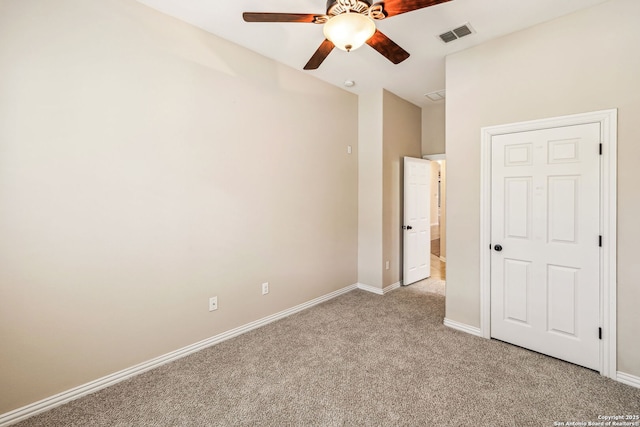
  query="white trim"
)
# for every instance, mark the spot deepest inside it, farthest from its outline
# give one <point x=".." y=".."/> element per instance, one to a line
<point x="628" y="379"/>
<point x="608" y="124"/>
<point x="463" y="327"/>
<point x="370" y="288"/>
<point x="609" y="230"/>
<point x="392" y="287"/>
<point x="25" y="412"/>
<point x="379" y="291"/>
<point x="485" y="233"/>
<point x="434" y="157"/>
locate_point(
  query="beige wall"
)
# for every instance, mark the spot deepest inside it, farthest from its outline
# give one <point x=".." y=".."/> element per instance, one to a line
<point x="401" y="137"/>
<point x="145" y="166"/>
<point x="583" y="62"/>
<point x="433" y="128"/>
<point x="390" y="128"/>
<point x="370" y="189"/>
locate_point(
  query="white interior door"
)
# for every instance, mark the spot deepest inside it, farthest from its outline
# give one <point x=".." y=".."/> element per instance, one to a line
<point x="417" y="224"/>
<point x="545" y="222"/>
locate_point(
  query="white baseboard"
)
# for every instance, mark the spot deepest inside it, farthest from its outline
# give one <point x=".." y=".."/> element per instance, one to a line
<point x="392" y="287"/>
<point x="628" y="379"/>
<point x="25" y="412"/>
<point x="370" y="288"/>
<point x="463" y="327"/>
<point x="379" y="291"/>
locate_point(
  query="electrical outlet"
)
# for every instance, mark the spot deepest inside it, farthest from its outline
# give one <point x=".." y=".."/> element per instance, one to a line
<point x="265" y="288"/>
<point x="213" y="303"/>
<point x="386" y="265"/>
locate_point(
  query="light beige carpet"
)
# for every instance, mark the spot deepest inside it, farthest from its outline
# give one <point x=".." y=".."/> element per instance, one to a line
<point x="358" y="360"/>
<point x="432" y="285"/>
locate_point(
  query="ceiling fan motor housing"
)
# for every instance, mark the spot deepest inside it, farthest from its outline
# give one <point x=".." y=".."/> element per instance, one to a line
<point x="336" y="7"/>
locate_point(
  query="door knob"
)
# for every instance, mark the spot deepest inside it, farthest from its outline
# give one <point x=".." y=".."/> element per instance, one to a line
<point x="498" y="248"/>
<point x="407" y="227"/>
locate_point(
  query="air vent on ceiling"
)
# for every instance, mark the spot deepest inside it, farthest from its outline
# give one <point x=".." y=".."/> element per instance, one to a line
<point x="456" y="33"/>
<point x="436" y="96"/>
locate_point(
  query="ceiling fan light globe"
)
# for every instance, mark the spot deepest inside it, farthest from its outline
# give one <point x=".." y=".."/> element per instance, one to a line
<point x="349" y="31"/>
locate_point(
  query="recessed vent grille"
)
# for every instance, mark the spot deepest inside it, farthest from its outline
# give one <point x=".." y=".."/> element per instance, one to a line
<point x="456" y="33"/>
<point x="448" y="37"/>
<point x="436" y="96"/>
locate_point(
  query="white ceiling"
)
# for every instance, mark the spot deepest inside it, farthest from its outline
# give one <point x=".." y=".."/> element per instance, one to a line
<point x="417" y="32"/>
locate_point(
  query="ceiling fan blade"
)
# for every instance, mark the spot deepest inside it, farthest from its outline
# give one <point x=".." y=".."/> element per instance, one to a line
<point x="387" y="48"/>
<point x="320" y="55"/>
<point x="396" y="7"/>
<point x="279" y="17"/>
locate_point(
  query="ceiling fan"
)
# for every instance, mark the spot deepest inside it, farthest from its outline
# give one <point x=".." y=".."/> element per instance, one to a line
<point x="348" y="24"/>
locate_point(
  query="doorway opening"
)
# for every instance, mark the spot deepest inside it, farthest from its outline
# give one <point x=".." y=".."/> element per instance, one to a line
<point x="436" y="282"/>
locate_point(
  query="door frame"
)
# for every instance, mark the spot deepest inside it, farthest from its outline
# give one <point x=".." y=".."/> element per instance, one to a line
<point x="435" y="158"/>
<point x="608" y="120"/>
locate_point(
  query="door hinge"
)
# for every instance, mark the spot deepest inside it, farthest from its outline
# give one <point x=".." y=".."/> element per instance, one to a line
<point x="600" y="241"/>
<point x="601" y="149"/>
<point x="599" y="333"/>
<point x="490" y="247"/>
